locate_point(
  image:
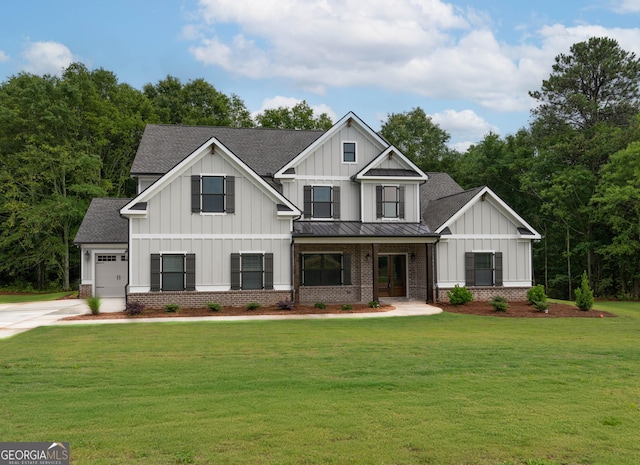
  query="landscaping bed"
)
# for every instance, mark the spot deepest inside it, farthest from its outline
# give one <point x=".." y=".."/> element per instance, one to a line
<point x="524" y="310"/>
<point x="236" y="311"/>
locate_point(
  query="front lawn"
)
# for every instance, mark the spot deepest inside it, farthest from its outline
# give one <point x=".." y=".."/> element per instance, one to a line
<point x="445" y="389"/>
<point x="16" y="297"/>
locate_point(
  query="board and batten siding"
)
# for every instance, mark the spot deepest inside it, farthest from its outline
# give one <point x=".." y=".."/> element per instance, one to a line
<point x="171" y="226"/>
<point x="484" y="227"/>
<point x="411" y="213"/>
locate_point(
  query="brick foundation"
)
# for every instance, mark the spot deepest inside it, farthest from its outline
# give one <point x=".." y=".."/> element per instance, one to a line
<point x="200" y="299"/>
<point x="515" y="294"/>
<point x="84" y="291"/>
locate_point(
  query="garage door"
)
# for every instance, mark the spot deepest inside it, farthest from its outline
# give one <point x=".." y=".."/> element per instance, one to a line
<point x="111" y="275"/>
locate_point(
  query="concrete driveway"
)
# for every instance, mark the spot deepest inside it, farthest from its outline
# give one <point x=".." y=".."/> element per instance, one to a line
<point x="17" y="318"/>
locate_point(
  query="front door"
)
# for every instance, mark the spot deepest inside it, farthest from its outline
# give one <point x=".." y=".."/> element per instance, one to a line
<point x="392" y="275"/>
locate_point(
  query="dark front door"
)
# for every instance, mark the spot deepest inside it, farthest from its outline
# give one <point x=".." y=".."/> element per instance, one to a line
<point x="392" y="275"/>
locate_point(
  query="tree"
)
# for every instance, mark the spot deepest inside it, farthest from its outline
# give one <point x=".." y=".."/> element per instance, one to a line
<point x="300" y="116"/>
<point x="586" y="113"/>
<point x="597" y="82"/>
<point x="617" y="206"/>
<point x="416" y="135"/>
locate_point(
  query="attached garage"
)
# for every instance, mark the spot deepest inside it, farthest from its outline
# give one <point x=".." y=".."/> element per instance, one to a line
<point x="103" y="240"/>
<point x="111" y="275"/>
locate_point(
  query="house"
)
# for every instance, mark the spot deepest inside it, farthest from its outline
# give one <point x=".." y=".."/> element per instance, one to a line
<point x="235" y="215"/>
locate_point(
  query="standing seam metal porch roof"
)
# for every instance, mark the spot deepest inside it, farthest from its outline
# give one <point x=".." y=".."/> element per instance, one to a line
<point x="358" y="229"/>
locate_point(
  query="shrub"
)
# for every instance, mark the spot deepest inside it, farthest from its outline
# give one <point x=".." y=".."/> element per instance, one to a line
<point x="134" y="308"/>
<point x="214" y="307"/>
<point x="374" y="304"/>
<point x="541" y="306"/>
<point x="346" y="307"/>
<point x="499" y="304"/>
<point x="459" y="295"/>
<point x="253" y="305"/>
<point x="584" y="294"/>
<point x="94" y="304"/>
<point x="536" y="294"/>
<point x="320" y="305"/>
<point x="171" y="308"/>
<point x="285" y="304"/>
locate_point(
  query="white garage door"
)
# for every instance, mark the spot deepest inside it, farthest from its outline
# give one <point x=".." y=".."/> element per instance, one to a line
<point x="111" y="275"/>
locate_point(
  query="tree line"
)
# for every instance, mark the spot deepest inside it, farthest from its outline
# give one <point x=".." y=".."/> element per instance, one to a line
<point x="573" y="173"/>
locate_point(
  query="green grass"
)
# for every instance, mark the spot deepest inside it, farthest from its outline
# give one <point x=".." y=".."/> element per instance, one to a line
<point x="36" y="297"/>
<point x="446" y="389"/>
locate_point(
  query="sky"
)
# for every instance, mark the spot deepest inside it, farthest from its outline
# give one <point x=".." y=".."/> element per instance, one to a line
<point x="469" y="64"/>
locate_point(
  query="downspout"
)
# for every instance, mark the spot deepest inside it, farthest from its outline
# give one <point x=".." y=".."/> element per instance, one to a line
<point x="435" y="269"/>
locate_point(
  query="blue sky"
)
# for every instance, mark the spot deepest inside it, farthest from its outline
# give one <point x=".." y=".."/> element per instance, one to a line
<point x="467" y="63"/>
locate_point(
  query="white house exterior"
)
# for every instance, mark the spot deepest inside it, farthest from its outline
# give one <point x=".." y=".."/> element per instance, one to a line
<point x="233" y="215"/>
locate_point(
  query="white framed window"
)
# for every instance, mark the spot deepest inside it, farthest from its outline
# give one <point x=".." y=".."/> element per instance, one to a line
<point x="349" y="152"/>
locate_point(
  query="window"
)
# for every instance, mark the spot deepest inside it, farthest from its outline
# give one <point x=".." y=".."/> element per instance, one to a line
<point x="325" y="269"/>
<point x="106" y="258"/>
<point x="250" y="271"/>
<point x="213" y="194"/>
<point x="173" y="272"/>
<point x="483" y="268"/>
<point x="349" y="152"/>
<point x="390" y="202"/>
<point x="322" y="202"/>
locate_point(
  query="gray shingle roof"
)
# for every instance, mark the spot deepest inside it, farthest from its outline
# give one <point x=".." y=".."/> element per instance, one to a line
<point x="357" y="229"/>
<point x="264" y="150"/>
<point x="438" y="211"/>
<point x="103" y="224"/>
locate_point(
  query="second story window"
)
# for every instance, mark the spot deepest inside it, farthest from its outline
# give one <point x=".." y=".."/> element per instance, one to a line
<point x="349" y="152"/>
<point x="390" y="202"/>
<point x="322" y="202"/>
<point x="212" y="194"/>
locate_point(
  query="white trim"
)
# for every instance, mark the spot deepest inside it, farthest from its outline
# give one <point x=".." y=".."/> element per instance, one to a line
<point x="452" y="284"/>
<point x="138" y="289"/>
<point x="483" y="251"/>
<point x="211" y="236"/>
<point x="308" y="177"/>
<point x="177" y="252"/>
<point x="422" y="176"/>
<point x="518" y="237"/>
<point x="355" y="152"/>
<point x="506" y="209"/>
<point x="218" y="288"/>
<point x="328" y="135"/>
<point x="252" y="252"/>
<point x="366" y="240"/>
<point x="215" y="146"/>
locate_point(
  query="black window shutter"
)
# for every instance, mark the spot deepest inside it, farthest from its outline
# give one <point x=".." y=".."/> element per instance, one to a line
<point x="195" y="194"/>
<point x="346" y="269"/>
<point x="401" y="202"/>
<point x="155" y="272"/>
<point x="470" y="268"/>
<point x="336" y="202"/>
<point x="190" y="266"/>
<point x="498" y="259"/>
<point x="230" y="192"/>
<point x="268" y="271"/>
<point x="378" y="201"/>
<point x="307" y="202"/>
<point x="235" y="271"/>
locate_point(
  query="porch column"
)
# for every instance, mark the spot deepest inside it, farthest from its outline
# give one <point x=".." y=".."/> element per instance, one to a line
<point x="430" y="274"/>
<point x="374" y="264"/>
<point x="295" y="278"/>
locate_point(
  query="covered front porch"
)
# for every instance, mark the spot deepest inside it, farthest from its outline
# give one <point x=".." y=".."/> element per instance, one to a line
<point x="351" y="262"/>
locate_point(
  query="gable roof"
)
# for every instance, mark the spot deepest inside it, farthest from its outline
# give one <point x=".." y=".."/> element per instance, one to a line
<point x="440" y="213"/>
<point x="264" y="150"/>
<point x="347" y="120"/>
<point x="103" y="224"/>
<point x="135" y="207"/>
<point x="406" y="168"/>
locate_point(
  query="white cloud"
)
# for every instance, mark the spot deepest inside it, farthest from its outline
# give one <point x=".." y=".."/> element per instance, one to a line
<point x="464" y="126"/>
<point x="3" y="57"/>
<point x="626" y="6"/>
<point x="290" y="102"/>
<point x="430" y="48"/>
<point x="46" y="58"/>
